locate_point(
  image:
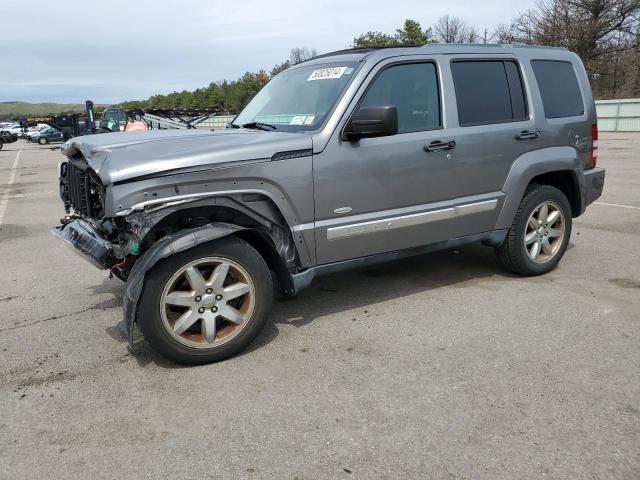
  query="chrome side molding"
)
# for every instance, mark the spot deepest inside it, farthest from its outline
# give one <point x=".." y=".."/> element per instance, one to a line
<point x="375" y="226"/>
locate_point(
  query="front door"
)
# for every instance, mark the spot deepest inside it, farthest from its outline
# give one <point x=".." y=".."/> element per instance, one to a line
<point x="382" y="194"/>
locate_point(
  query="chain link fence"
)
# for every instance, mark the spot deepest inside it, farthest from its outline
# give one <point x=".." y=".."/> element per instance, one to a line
<point x="216" y="122"/>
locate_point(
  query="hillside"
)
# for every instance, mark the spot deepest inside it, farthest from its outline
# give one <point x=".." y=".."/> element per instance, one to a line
<point x="9" y="110"/>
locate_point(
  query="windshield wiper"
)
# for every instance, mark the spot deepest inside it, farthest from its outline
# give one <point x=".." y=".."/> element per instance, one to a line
<point x="267" y="127"/>
<point x="232" y="125"/>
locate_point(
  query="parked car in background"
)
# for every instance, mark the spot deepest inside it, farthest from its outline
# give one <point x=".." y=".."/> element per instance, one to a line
<point x="348" y="159"/>
<point x="15" y="128"/>
<point x="34" y="131"/>
<point x="7" y="137"/>
<point x="47" y="135"/>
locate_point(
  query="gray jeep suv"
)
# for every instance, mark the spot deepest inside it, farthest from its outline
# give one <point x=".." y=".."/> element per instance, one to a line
<point x="350" y="158"/>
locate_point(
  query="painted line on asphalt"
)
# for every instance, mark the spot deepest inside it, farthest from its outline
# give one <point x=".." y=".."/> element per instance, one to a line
<point x="35" y="194"/>
<point x="12" y="178"/>
<point x="616" y="205"/>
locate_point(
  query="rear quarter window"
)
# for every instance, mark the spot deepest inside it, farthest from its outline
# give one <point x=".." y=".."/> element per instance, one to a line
<point x="559" y="88"/>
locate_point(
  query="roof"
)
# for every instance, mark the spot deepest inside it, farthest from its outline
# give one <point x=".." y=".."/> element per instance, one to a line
<point x="448" y="48"/>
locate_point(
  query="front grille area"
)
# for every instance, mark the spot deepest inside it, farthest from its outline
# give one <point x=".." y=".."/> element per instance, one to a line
<point x="81" y="191"/>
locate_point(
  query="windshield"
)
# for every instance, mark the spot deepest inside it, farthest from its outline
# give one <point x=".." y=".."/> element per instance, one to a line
<point x="299" y="99"/>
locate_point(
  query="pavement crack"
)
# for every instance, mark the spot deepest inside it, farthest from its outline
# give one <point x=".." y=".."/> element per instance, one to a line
<point x="42" y="320"/>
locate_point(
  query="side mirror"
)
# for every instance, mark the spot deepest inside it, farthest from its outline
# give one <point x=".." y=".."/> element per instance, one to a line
<point x="378" y="121"/>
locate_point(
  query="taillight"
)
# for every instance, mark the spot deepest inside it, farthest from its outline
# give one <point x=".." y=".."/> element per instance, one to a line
<point x="594" y="146"/>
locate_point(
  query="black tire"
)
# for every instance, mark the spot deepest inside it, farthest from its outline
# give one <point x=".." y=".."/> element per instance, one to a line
<point x="43" y="141"/>
<point x="1" y="144"/>
<point x="512" y="253"/>
<point x="149" y="316"/>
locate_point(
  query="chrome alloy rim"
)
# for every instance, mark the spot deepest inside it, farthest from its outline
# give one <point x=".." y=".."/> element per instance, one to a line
<point x="544" y="232"/>
<point x="207" y="302"/>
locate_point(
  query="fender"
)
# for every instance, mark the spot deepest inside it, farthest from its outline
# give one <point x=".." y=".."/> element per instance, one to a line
<point x="163" y="248"/>
<point x="296" y="207"/>
<point x="528" y="166"/>
<point x="259" y="208"/>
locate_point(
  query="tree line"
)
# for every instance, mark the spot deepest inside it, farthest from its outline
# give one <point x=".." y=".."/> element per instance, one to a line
<point x="228" y="96"/>
<point x="605" y="33"/>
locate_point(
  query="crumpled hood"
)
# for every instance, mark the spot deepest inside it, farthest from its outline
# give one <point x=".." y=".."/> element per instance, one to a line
<point x="123" y="156"/>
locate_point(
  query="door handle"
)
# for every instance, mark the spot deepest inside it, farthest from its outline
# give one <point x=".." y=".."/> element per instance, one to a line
<point x="527" y="135"/>
<point x="438" y="145"/>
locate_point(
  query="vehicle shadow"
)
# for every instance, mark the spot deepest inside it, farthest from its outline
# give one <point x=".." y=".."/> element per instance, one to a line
<point x="363" y="287"/>
<point x="360" y="289"/>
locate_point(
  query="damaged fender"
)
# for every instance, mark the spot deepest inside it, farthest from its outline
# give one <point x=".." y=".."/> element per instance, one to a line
<point x="163" y="248"/>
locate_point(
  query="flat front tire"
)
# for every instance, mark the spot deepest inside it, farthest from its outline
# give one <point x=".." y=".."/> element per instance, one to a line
<point x="207" y="303"/>
<point x="539" y="234"/>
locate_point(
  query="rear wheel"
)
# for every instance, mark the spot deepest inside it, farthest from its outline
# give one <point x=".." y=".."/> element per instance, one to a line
<point x="539" y="234"/>
<point x="43" y="141"/>
<point x="207" y="303"/>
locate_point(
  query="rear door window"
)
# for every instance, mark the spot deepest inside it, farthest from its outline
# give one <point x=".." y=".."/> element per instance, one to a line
<point x="559" y="88"/>
<point x="488" y="91"/>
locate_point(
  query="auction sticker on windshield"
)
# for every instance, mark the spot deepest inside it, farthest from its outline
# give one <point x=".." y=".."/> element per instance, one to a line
<point x="302" y="120"/>
<point x="327" y="73"/>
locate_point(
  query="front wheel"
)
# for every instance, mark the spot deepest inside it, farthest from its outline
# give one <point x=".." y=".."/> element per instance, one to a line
<point x="43" y="141"/>
<point x="539" y="234"/>
<point x="207" y="303"/>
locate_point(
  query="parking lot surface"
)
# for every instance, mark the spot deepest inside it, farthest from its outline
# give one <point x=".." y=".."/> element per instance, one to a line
<point x="440" y="366"/>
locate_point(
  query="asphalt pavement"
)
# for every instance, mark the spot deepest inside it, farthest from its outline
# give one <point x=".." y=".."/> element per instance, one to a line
<point x="440" y="366"/>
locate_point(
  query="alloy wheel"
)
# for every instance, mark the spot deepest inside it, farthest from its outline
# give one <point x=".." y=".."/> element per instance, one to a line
<point x="207" y="302"/>
<point x="544" y="232"/>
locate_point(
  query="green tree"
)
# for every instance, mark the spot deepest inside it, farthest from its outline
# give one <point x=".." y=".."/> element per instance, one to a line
<point x="280" y="68"/>
<point x="375" y="39"/>
<point x="231" y="96"/>
<point x="413" y="34"/>
<point x="410" y="34"/>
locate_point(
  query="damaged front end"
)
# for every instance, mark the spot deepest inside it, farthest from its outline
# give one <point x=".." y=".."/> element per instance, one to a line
<point x="98" y="239"/>
<point x="87" y="241"/>
<point x="129" y="245"/>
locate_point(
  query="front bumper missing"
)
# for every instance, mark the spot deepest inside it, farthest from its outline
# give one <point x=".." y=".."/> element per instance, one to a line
<point x="86" y="241"/>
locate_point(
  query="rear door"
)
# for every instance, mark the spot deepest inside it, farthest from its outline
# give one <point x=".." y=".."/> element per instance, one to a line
<point x="491" y="124"/>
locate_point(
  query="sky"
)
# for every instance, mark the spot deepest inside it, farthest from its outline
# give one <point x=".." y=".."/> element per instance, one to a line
<point x="110" y="51"/>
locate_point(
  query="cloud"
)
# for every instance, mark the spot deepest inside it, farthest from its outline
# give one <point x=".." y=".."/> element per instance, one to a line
<point x="117" y="50"/>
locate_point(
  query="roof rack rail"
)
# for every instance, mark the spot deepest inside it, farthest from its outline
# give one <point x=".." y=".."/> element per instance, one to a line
<point x="348" y="51"/>
<point x="356" y="50"/>
<point x="492" y="45"/>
